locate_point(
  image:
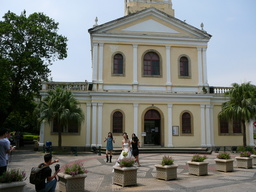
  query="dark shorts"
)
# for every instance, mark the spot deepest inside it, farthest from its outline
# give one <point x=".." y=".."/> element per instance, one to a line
<point x="135" y="152"/>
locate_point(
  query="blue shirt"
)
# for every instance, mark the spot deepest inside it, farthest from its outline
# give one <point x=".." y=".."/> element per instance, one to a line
<point x="3" y="149"/>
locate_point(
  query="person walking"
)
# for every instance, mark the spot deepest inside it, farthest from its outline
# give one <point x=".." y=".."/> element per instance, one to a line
<point x="4" y="149"/>
<point x="109" y="147"/>
<point x="135" y="148"/>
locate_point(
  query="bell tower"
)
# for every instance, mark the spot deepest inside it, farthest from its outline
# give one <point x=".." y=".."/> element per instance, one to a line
<point x="133" y="6"/>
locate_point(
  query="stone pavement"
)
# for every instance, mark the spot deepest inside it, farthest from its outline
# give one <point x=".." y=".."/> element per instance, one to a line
<point x="99" y="177"/>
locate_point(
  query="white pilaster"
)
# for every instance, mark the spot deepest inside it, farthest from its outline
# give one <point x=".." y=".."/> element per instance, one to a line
<point x="95" y="63"/>
<point x="203" y="139"/>
<point x="208" y="126"/>
<point x="99" y="124"/>
<point x="94" y="123"/>
<point x="251" y="138"/>
<point x="211" y="125"/>
<point x="170" y="144"/>
<point x="101" y="55"/>
<point x="135" y="64"/>
<point x="88" y="125"/>
<point x="135" y="116"/>
<point x="42" y="127"/>
<point x="205" y="67"/>
<point x="200" y="67"/>
<point x="168" y="67"/>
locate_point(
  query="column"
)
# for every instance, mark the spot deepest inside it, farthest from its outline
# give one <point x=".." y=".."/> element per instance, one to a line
<point x="135" y="64"/>
<point x="168" y="67"/>
<point x="135" y="116"/>
<point x="169" y="119"/>
<point x="101" y="57"/>
<point x="251" y="138"/>
<point x="41" y="136"/>
<point x="200" y="67"/>
<point x="94" y="123"/>
<point x="211" y="126"/>
<point x="88" y="125"/>
<point x="208" y="126"/>
<point x="99" y="124"/>
<point x="205" y="67"/>
<point x="95" y="62"/>
<point x="203" y="143"/>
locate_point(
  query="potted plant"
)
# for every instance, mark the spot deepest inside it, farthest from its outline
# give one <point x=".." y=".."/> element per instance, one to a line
<point x="73" y="178"/>
<point x="197" y="166"/>
<point x="166" y="170"/>
<point x="224" y="162"/>
<point x="125" y="173"/>
<point x="13" y="181"/>
<point x="253" y="156"/>
<point x="245" y="160"/>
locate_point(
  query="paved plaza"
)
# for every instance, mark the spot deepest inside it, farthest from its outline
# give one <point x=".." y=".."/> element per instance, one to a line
<point x="99" y="177"/>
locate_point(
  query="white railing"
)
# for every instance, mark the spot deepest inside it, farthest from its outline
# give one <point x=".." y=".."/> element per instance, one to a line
<point x="220" y="90"/>
<point x="73" y="86"/>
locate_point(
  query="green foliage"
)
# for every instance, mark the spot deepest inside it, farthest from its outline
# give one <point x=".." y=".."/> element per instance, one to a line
<point x="60" y="105"/>
<point x="245" y="154"/>
<point x="167" y="160"/>
<point x="243" y="149"/>
<point x="198" y="158"/>
<point x="13" y="175"/>
<point x="75" y="169"/>
<point x="28" y="45"/>
<point x="126" y="162"/>
<point x="224" y="155"/>
<point x="241" y="105"/>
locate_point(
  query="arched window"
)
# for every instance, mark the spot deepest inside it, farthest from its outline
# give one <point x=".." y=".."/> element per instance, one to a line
<point x="186" y="123"/>
<point x="184" y="67"/>
<point x="117" y="122"/>
<point x="224" y="126"/>
<point x="118" y="64"/>
<point x="151" y="64"/>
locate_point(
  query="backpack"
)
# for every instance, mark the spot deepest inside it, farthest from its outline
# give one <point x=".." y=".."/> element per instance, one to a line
<point x="36" y="176"/>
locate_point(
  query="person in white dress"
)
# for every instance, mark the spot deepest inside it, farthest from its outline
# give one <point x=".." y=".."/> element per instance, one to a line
<point x="125" y="148"/>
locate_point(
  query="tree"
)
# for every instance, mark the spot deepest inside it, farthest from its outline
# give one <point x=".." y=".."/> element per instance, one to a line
<point x="60" y="106"/>
<point x="241" y="105"/>
<point x="28" y="45"/>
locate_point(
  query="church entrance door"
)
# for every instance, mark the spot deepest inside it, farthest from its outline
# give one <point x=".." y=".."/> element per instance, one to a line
<point x="152" y="127"/>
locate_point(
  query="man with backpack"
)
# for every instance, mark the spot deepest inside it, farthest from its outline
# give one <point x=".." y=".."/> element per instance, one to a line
<point x="45" y="174"/>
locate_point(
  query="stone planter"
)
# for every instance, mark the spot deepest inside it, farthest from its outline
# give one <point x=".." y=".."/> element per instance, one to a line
<point x="166" y="172"/>
<point x="68" y="183"/>
<point x="244" y="162"/>
<point x="125" y="176"/>
<point x="253" y="159"/>
<point x="13" y="187"/>
<point x="225" y="165"/>
<point x="198" y="168"/>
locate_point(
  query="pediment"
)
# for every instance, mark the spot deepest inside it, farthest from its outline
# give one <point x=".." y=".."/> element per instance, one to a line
<point x="150" y="22"/>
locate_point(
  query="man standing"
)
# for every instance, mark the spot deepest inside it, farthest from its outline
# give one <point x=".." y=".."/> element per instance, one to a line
<point x="9" y="145"/>
<point x="4" y="149"/>
<point x="51" y="183"/>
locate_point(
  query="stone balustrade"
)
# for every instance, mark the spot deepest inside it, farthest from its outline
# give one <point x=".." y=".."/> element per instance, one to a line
<point x="73" y="86"/>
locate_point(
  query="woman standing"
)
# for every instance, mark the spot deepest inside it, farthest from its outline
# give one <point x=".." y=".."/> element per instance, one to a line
<point x="135" y="148"/>
<point x="109" y="147"/>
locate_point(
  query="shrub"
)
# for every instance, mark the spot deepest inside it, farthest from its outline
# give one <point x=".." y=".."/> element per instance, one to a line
<point x="126" y="162"/>
<point x="243" y="149"/>
<point x="13" y="175"/>
<point x="198" y="158"/>
<point x="224" y="155"/>
<point x="75" y="169"/>
<point x="167" y="160"/>
<point x="245" y="154"/>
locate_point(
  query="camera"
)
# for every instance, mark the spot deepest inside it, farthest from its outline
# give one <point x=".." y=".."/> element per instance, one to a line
<point x="57" y="167"/>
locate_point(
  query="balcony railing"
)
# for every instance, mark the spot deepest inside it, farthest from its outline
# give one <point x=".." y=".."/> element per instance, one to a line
<point x="219" y="90"/>
<point x="73" y="86"/>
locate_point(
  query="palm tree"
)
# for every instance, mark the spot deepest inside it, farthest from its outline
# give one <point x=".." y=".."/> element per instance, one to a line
<point x="60" y="106"/>
<point x="241" y="105"/>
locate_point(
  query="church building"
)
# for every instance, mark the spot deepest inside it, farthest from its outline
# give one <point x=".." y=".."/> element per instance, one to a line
<point x="149" y="77"/>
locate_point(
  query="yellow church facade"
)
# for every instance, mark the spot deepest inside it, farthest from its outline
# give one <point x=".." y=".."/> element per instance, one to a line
<point x="149" y="77"/>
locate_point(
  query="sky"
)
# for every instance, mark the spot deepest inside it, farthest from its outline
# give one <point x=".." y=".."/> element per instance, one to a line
<point x="230" y="53"/>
